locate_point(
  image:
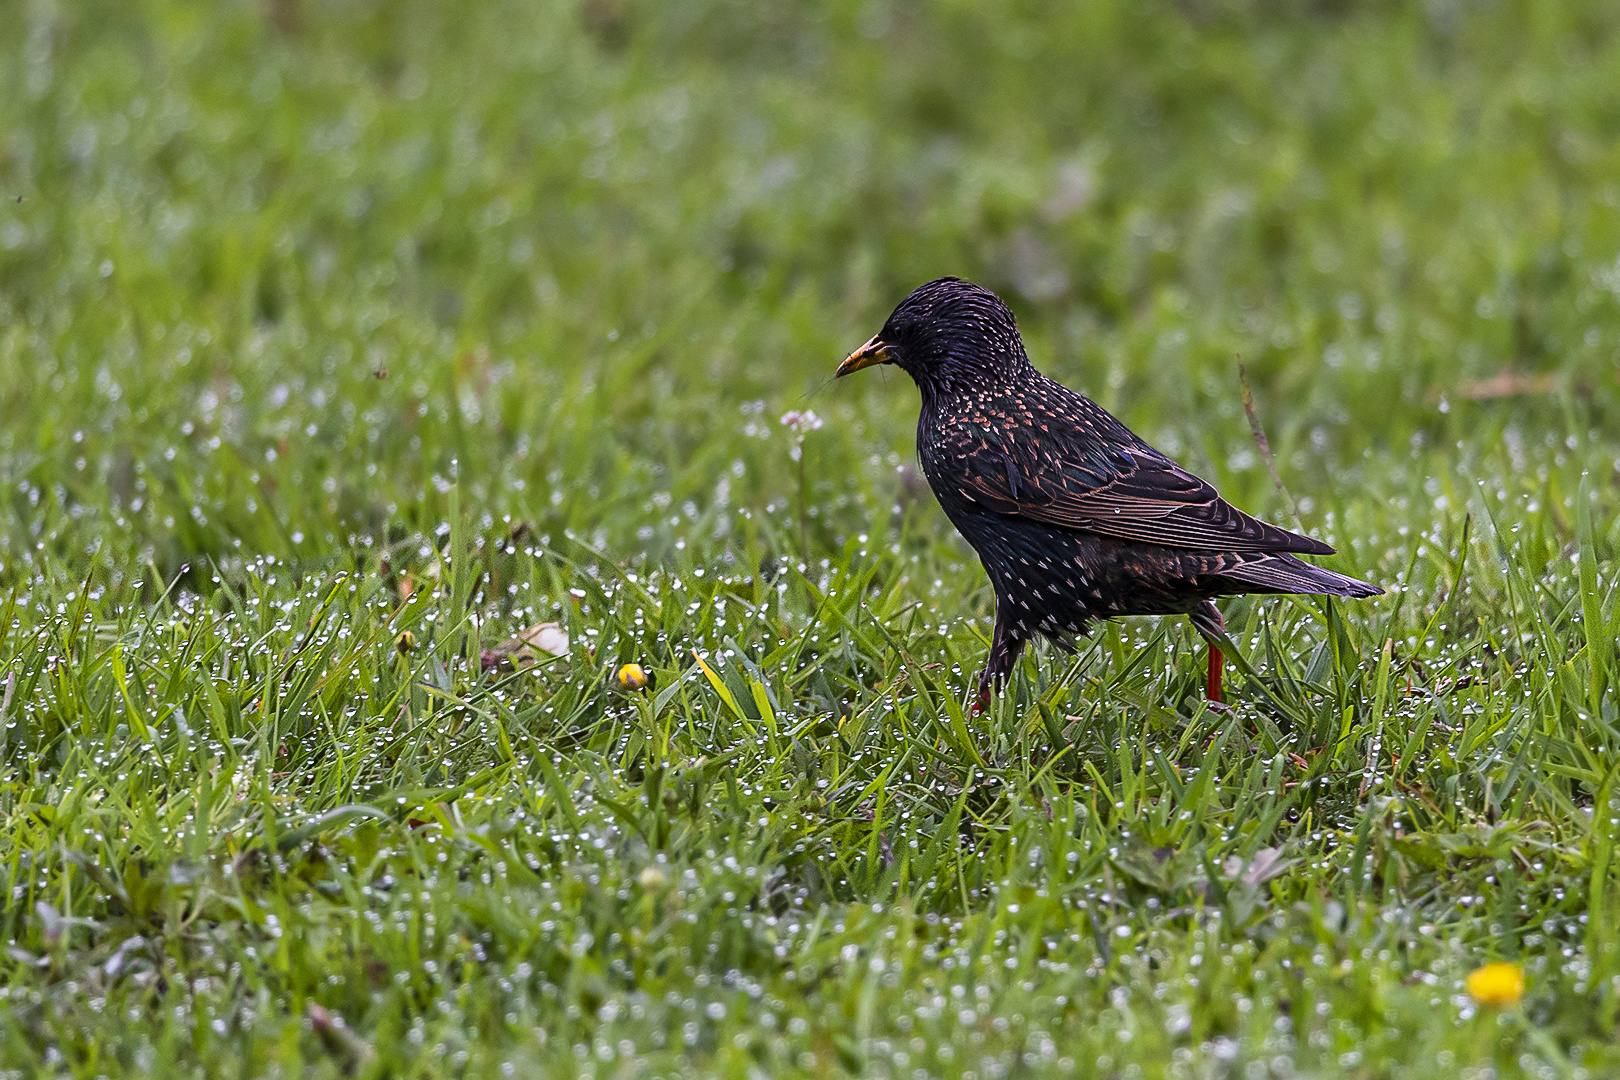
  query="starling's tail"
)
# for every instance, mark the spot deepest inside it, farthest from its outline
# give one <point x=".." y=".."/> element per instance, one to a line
<point x="1286" y="574"/>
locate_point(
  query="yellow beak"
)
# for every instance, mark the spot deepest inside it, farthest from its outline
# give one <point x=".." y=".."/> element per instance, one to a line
<point x="873" y="352"/>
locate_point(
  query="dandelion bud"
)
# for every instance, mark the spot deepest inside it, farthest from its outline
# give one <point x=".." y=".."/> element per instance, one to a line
<point x="1501" y="985"/>
<point x="631" y="677"/>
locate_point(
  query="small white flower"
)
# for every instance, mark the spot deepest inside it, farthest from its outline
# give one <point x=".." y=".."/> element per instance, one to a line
<point x="801" y="422"/>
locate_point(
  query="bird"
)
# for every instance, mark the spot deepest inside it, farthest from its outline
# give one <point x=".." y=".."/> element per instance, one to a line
<point x="1074" y="517"/>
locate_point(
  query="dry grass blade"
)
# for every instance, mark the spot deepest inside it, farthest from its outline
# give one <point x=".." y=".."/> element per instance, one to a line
<point x="1264" y="446"/>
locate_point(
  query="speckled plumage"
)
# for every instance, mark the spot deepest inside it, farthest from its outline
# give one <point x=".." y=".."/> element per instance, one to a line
<point x="1074" y="517"/>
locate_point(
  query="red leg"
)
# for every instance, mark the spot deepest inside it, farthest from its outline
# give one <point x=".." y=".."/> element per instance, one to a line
<point x="1005" y="645"/>
<point x="1206" y="619"/>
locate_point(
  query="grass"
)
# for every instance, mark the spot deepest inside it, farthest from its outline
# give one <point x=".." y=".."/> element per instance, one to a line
<point x="342" y="342"/>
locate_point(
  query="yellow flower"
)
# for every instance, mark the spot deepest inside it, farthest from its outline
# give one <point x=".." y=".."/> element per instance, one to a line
<point x="631" y="677"/>
<point x="1497" y="984"/>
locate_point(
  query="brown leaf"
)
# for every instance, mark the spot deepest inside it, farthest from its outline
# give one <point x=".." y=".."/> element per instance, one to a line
<point x="1505" y="384"/>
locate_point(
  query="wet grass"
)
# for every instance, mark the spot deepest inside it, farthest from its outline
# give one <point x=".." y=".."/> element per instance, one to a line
<point x="342" y="343"/>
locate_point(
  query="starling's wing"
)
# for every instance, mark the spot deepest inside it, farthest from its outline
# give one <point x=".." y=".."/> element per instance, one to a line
<point x="1111" y="487"/>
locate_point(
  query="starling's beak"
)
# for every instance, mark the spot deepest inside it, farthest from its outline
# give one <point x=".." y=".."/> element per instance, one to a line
<point x="873" y="352"/>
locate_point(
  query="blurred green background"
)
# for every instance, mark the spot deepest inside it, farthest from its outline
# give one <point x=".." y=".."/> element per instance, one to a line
<point x="599" y="248"/>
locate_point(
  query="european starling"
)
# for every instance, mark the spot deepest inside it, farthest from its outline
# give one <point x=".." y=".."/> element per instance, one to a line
<point x="1074" y="517"/>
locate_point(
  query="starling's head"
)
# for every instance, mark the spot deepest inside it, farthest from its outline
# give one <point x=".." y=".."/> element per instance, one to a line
<point x="947" y="330"/>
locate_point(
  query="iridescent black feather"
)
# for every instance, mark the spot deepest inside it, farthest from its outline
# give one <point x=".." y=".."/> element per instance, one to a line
<point x="1075" y="518"/>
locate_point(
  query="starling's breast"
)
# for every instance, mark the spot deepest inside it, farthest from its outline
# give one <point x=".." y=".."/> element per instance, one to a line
<point x="1040" y="575"/>
<point x="978" y="424"/>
